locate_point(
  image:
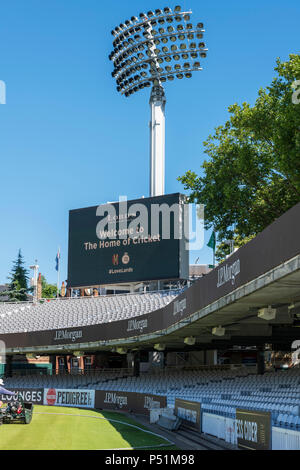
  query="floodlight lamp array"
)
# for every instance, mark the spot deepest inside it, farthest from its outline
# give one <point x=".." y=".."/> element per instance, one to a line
<point x="156" y="47"/>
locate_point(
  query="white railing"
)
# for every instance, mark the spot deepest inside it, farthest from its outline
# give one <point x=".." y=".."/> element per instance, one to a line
<point x="285" y="439"/>
<point x="69" y="299"/>
<point x="225" y="428"/>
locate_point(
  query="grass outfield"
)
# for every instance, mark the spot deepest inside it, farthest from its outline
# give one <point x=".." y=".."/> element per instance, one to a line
<point x="57" y="428"/>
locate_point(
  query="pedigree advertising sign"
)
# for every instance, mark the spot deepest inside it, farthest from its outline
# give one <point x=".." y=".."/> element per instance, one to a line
<point x="75" y="398"/>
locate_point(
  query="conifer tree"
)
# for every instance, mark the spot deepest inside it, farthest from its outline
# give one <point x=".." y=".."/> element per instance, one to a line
<point x="18" y="286"/>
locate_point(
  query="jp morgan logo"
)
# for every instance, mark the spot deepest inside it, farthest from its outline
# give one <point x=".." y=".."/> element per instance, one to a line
<point x="137" y="325"/>
<point x="113" y="398"/>
<point x="228" y="273"/>
<point x="68" y="335"/>
<point x="179" y="306"/>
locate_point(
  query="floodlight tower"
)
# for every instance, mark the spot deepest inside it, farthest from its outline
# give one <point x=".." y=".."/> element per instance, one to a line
<point x="149" y="50"/>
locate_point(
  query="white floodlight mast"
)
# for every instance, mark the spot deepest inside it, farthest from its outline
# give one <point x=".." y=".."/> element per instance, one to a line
<point x="157" y="141"/>
<point x="129" y="59"/>
<point x="157" y="135"/>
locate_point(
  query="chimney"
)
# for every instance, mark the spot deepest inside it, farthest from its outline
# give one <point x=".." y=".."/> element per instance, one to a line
<point x="63" y="289"/>
<point x="95" y="292"/>
<point x="39" y="287"/>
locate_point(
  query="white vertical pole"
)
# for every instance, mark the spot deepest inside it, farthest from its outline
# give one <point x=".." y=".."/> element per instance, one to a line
<point x="157" y="129"/>
<point x="58" y="272"/>
<point x="57" y="294"/>
<point x="35" y="269"/>
<point x="157" y="141"/>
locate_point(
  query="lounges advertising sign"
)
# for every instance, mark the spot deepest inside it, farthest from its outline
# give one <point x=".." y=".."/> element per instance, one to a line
<point x="75" y="398"/>
<point x="29" y="395"/>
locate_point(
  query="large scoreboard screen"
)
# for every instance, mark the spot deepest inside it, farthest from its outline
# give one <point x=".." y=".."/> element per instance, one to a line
<point x="129" y="241"/>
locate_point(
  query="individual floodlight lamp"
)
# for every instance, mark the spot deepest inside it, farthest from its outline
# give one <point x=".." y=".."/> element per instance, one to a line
<point x="121" y="350"/>
<point x="218" y="331"/>
<point x="268" y="313"/>
<point x="149" y="50"/>
<point x="190" y="340"/>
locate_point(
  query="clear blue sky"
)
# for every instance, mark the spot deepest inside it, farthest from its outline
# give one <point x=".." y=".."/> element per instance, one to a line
<point x="69" y="140"/>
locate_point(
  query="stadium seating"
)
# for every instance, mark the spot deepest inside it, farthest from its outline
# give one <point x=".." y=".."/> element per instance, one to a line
<point x="61" y="381"/>
<point x="68" y="313"/>
<point x="220" y="392"/>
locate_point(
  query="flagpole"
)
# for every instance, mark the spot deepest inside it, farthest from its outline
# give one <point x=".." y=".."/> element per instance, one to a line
<point x="212" y="244"/>
<point x="58" y="272"/>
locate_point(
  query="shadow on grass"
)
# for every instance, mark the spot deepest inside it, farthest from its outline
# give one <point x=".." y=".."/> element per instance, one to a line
<point x="137" y="435"/>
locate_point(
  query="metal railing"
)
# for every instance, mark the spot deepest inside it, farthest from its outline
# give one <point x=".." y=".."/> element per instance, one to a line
<point x="128" y="294"/>
<point x="93" y="372"/>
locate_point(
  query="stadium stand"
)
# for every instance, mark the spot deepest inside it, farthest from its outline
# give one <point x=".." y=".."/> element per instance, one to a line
<point x="68" y="313"/>
<point x="249" y="303"/>
<point x="219" y="392"/>
<point x="63" y="381"/>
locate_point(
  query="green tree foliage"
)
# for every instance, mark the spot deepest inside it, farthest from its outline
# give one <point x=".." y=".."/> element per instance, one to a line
<point x="18" y="286"/>
<point x="253" y="172"/>
<point x="14" y="294"/>
<point x="49" y="291"/>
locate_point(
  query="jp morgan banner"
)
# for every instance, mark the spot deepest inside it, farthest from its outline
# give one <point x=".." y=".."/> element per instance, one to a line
<point x="64" y="397"/>
<point x="253" y="429"/>
<point x="228" y="273"/>
<point x="140" y="403"/>
<point x="189" y="412"/>
<point x="29" y="395"/>
<point x="70" y="336"/>
<point x="139" y="240"/>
